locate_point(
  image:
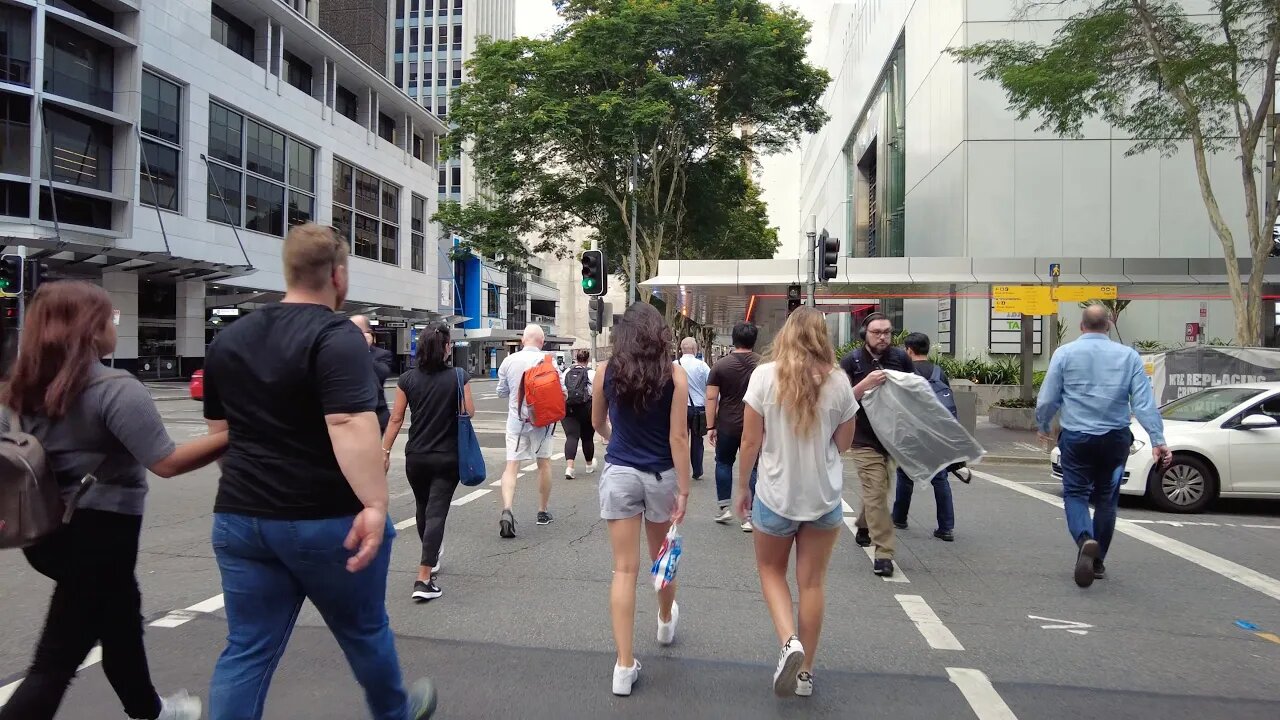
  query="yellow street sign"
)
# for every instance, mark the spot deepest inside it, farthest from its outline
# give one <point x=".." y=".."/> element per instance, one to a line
<point x="1085" y="293"/>
<point x="1023" y="299"/>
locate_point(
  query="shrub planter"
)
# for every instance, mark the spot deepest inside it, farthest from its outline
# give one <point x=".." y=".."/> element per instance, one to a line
<point x="1012" y="418"/>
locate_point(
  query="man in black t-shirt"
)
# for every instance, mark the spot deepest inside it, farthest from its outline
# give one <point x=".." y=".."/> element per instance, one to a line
<point x="726" y="387"/>
<point x="301" y="507"/>
<point x="382" y="361"/>
<point x="865" y="368"/>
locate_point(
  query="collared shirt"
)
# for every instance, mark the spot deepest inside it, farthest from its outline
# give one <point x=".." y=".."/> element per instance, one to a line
<point x="698" y="372"/>
<point x="510" y="375"/>
<point x="1099" y="385"/>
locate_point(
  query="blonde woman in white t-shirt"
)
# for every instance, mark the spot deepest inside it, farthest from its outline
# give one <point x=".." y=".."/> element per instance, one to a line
<point x="798" y="419"/>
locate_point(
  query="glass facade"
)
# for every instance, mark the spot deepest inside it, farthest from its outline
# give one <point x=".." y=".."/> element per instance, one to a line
<point x="77" y="66"/>
<point x="366" y="211"/>
<point x="161" y="128"/>
<point x="255" y="166"/>
<point x="232" y="32"/>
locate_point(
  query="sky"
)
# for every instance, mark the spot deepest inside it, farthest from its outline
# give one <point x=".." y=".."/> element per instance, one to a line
<point x="780" y="174"/>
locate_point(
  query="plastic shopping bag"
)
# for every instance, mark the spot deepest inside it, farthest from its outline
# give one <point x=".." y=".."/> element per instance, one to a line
<point x="918" y="432"/>
<point x="664" y="568"/>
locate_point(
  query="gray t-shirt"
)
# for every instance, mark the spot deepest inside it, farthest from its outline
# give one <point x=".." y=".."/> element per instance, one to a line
<point x="113" y="432"/>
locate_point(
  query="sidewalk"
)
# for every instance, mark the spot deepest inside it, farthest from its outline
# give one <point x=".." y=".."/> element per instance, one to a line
<point x="1016" y="447"/>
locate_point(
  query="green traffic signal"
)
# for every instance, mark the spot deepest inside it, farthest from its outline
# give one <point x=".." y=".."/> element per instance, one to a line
<point x="588" y="284"/>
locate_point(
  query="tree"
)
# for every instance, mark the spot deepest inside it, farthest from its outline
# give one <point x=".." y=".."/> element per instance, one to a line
<point x="691" y="89"/>
<point x="1168" y="79"/>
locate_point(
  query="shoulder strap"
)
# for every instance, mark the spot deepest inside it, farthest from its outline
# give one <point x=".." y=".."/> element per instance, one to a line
<point x="462" y="408"/>
<point x="936" y="375"/>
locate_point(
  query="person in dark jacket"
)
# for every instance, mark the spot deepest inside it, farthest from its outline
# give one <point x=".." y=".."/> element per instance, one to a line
<point x="918" y="350"/>
<point x="382" y="361"/>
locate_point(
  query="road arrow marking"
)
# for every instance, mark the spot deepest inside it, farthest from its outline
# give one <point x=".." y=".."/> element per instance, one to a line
<point x="1071" y="626"/>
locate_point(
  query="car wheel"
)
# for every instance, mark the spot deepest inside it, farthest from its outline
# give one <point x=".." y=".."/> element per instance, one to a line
<point x="1188" y="485"/>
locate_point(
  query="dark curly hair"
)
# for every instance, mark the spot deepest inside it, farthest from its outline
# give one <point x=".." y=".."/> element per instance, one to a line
<point x="640" y="366"/>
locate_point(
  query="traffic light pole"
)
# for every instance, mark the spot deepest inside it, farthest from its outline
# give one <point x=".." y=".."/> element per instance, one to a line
<point x="811" y="287"/>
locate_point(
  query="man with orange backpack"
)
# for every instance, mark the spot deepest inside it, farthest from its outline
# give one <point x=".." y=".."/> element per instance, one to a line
<point x="530" y="381"/>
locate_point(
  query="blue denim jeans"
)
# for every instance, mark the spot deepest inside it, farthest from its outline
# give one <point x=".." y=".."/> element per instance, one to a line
<point x="941" y="496"/>
<point x="268" y="568"/>
<point x="696" y="448"/>
<point x="1092" y="466"/>
<point x="727" y="447"/>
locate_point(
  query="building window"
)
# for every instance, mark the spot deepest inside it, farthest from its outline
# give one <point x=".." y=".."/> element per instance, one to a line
<point x="417" y="238"/>
<point x="399" y="40"/>
<point x="366" y="212"/>
<point x="457" y="37"/>
<point x="161" y="142"/>
<point x="386" y="127"/>
<point x="346" y="103"/>
<point x="15" y="199"/>
<point x="442" y="74"/>
<point x="81" y="150"/>
<point x="232" y="32"/>
<point x="443" y="5"/>
<point x="442" y="109"/>
<point x="15" y="131"/>
<point x="457" y="7"/>
<point x="493" y="300"/>
<point x="88" y="10"/>
<point x="266" y="177"/>
<point x="15" y="45"/>
<point x="78" y="67"/>
<point x="420" y="147"/>
<point x="75" y="209"/>
<point x="444" y="181"/>
<point x="457" y="72"/>
<point x="455" y="179"/>
<point x="298" y="72"/>
<point x="413" y="39"/>
<point x="442" y="37"/>
<point x="399" y="75"/>
<point x="413" y="9"/>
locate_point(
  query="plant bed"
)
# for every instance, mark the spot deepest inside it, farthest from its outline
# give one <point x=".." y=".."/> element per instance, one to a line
<point x="1013" y="414"/>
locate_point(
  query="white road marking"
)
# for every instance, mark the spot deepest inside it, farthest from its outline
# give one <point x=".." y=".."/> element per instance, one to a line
<point x="558" y="456"/>
<point x="213" y="604"/>
<point x="406" y="523"/>
<point x="182" y="617"/>
<point x="93" y="658"/>
<point x="470" y="496"/>
<point x="928" y="623"/>
<point x="498" y="482"/>
<point x="982" y="696"/>
<point x="848" y="509"/>
<point x="1071" y="626"/>
<point x="529" y="468"/>
<point x="898" y="576"/>
<point x="1247" y="577"/>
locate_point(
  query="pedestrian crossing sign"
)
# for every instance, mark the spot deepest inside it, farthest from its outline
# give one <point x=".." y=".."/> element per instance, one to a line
<point x="1055" y="269"/>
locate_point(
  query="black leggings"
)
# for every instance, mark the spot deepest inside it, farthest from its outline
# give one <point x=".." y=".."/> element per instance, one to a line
<point x="433" y="478"/>
<point x="577" y="426"/>
<point x="96" y="600"/>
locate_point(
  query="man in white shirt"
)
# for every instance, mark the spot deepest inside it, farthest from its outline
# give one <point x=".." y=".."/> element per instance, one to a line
<point x="698" y="372"/>
<point x="524" y="441"/>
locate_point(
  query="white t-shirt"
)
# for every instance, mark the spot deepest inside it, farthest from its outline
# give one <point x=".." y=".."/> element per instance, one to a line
<point x="801" y="478"/>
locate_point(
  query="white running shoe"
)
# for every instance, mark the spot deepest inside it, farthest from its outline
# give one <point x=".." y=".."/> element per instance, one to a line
<point x="624" y="678"/>
<point x="180" y="706"/>
<point x="667" y="630"/>
<point x="786" y="677"/>
<point x="591" y="468"/>
<point x="746" y="527"/>
<point x="804" y="684"/>
<point x="568" y="473"/>
<point x="725" y="516"/>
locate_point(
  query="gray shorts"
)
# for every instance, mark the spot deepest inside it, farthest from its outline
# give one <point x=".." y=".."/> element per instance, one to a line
<point x="626" y="492"/>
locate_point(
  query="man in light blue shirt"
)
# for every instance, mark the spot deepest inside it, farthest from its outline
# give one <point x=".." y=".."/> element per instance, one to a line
<point x="698" y="372"/>
<point x="1098" y="384"/>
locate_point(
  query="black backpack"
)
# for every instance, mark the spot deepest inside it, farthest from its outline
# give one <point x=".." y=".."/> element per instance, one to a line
<point x="577" y="384"/>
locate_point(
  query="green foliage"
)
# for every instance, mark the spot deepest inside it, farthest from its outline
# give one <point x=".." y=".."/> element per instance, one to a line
<point x="1016" y="403"/>
<point x="693" y="90"/>
<point x="1220" y="342"/>
<point x="1150" y="346"/>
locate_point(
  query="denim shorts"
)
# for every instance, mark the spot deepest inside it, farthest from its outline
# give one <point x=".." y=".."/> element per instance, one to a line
<point x="771" y="523"/>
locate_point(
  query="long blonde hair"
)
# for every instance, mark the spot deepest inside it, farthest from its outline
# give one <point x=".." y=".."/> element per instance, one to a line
<point x="800" y="350"/>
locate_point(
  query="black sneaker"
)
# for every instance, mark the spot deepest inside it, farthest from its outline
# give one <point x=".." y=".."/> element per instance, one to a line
<point x="863" y="537"/>
<point x="1099" y="570"/>
<point x="424" y="591"/>
<point x="900" y="525"/>
<point x="507" y="525"/>
<point x="883" y="568"/>
<point x="544" y="518"/>
<point x="422" y="700"/>
<point x="1088" y="555"/>
<point x="945" y="535"/>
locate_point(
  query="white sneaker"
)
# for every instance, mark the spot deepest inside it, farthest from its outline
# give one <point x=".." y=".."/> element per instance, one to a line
<point x="804" y="684"/>
<point x="786" y="677"/>
<point x="725" y="516"/>
<point x="667" y="630"/>
<point x="746" y="527"/>
<point x="591" y="468"/>
<point x="180" y="706"/>
<point x="624" y="678"/>
<point x="568" y="473"/>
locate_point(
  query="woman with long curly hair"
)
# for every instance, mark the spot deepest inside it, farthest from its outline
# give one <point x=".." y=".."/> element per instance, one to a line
<point x="98" y="427"/>
<point x="798" y="420"/>
<point x="639" y="410"/>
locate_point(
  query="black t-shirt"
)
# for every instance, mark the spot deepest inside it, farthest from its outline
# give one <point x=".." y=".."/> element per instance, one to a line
<point x="273" y="376"/>
<point x="433" y="409"/>
<point x="859" y="364"/>
<point x="382" y="370"/>
<point x="731" y="375"/>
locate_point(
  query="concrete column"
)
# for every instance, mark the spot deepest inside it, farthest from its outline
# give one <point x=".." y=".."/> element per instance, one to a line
<point x="190" y="317"/>
<point x="123" y="288"/>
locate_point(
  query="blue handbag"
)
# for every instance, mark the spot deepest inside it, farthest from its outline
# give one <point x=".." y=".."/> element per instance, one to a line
<point x="471" y="470"/>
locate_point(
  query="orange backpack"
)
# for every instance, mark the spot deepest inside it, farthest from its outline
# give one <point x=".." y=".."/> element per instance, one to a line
<point x="540" y="390"/>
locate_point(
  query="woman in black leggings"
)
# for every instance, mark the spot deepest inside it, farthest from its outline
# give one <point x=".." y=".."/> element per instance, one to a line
<point x="577" y="382"/>
<point x="434" y="392"/>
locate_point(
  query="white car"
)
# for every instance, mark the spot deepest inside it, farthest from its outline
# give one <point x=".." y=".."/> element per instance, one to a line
<point x="1225" y="442"/>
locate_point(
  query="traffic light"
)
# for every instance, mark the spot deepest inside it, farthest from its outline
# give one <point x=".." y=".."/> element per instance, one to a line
<point x="794" y="298"/>
<point x="828" y="257"/>
<point x="11" y="275"/>
<point x="36" y="275"/>
<point x="595" y="314"/>
<point x="595" y="274"/>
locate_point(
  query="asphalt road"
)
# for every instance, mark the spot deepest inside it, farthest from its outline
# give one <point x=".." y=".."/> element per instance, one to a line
<point x="989" y="627"/>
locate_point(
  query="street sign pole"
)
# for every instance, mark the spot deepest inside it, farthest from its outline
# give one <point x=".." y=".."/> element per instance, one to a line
<point x="811" y="287"/>
<point x="1028" y="345"/>
<point x="594" y="334"/>
<point x="1054" y="272"/>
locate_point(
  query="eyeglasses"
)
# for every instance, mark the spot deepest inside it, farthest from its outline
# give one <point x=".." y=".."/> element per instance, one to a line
<point x="882" y="333"/>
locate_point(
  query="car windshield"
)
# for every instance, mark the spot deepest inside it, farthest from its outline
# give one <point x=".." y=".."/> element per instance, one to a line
<point x="1207" y="404"/>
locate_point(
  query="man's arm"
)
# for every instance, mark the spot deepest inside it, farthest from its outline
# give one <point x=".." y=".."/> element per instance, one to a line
<point x="1050" y="399"/>
<point x="382" y="364"/>
<point x="504" y="379"/>
<point x="1143" y="402"/>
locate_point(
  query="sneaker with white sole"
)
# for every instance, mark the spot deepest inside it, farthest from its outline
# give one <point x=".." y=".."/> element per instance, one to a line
<point x="724" y="516"/>
<point x="422" y="700"/>
<point x="568" y="473"/>
<point x="667" y="630"/>
<point x="786" y="677"/>
<point x="624" y="678"/>
<point x="746" y="527"/>
<point x="591" y="468"/>
<point x="804" y="684"/>
<point x="180" y="706"/>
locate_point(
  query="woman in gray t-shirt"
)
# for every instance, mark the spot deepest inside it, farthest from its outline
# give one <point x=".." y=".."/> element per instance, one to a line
<point x="96" y="422"/>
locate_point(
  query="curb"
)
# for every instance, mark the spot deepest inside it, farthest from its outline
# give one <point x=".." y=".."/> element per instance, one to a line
<point x="1014" y="460"/>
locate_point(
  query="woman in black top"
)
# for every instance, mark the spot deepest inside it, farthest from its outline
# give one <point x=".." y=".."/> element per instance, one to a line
<point x="431" y="393"/>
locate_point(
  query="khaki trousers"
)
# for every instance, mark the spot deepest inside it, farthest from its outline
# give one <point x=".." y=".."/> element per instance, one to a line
<point x="873" y="472"/>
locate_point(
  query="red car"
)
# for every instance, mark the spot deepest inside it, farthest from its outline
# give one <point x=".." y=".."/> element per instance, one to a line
<point x="197" y="385"/>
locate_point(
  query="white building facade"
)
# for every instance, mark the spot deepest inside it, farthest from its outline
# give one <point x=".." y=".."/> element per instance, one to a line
<point x="923" y="159"/>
